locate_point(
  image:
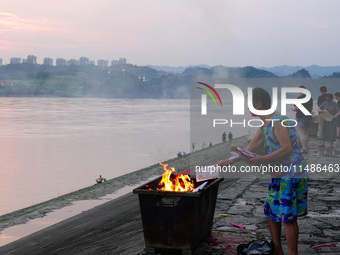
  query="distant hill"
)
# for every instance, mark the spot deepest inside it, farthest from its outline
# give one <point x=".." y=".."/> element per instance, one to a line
<point x="314" y="70"/>
<point x="175" y="69"/>
<point x="303" y="73"/>
<point x="230" y="72"/>
<point x="131" y="81"/>
<point x="334" y="75"/>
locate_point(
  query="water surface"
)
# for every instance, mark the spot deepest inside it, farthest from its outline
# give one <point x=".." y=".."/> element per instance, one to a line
<point x="53" y="146"/>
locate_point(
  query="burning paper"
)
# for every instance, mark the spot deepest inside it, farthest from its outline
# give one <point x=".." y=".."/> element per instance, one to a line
<point x="200" y="187"/>
<point x="204" y="173"/>
<point x="175" y="182"/>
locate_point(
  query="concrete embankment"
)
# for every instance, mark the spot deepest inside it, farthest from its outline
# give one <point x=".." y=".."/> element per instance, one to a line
<point x="115" y="227"/>
<point x="116" y="213"/>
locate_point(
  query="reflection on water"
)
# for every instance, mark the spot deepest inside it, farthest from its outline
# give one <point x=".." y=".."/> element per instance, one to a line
<point x="53" y="146"/>
<point x="16" y="232"/>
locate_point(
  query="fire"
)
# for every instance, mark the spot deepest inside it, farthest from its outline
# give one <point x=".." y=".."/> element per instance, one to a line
<point x="175" y="182"/>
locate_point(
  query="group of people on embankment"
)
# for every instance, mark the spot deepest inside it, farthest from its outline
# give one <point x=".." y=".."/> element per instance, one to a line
<point x="328" y="118"/>
<point x="329" y="124"/>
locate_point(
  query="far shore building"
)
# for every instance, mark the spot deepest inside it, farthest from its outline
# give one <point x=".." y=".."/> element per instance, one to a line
<point x="103" y="63"/>
<point x="31" y="59"/>
<point x="122" y="61"/>
<point x="48" y="61"/>
<point x="61" y="62"/>
<point x="114" y="63"/>
<point x="84" y="61"/>
<point x="15" y="61"/>
<point x="72" y="62"/>
<point x="0" y="61"/>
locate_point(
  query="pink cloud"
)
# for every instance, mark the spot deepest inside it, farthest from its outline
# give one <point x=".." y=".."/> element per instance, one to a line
<point x="5" y="45"/>
<point x="318" y="24"/>
<point x="10" y="22"/>
<point x="13" y="45"/>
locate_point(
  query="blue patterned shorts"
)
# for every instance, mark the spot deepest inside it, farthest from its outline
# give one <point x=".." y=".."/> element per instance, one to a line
<point x="286" y="199"/>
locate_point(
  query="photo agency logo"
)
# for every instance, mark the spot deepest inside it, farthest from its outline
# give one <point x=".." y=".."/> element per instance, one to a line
<point x="239" y="98"/>
<point x="204" y="97"/>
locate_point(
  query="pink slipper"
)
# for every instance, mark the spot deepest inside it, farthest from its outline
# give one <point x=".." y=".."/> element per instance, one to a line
<point x="321" y="146"/>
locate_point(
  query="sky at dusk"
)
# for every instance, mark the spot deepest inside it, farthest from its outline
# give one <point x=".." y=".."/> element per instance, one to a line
<point x="174" y="32"/>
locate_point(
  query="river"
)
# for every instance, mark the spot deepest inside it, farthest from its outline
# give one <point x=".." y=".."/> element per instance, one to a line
<point x="53" y="146"/>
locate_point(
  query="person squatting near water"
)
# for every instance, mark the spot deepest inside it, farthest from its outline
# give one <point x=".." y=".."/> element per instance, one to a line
<point x="100" y="180"/>
<point x="286" y="196"/>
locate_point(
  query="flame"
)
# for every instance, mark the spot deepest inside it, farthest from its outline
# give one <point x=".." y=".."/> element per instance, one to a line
<point x="175" y="182"/>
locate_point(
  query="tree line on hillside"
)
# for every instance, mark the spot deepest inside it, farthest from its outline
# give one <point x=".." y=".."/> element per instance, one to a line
<point x="128" y="81"/>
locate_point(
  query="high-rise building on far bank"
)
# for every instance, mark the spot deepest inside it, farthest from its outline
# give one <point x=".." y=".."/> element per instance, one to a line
<point x="103" y="63"/>
<point x="61" y="62"/>
<point x="31" y="59"/>
<point x="122" y="61"/>
<point x="114" y="63"/>
<point x="48" y="61"/>
<point x="84" y="61"/>
<point x="14" y="61"/>
<point x="72" y="62"/>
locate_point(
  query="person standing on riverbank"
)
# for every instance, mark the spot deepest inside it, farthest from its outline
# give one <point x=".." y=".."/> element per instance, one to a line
<point x="321" y="99"/>
<point x="287" y="196"/>
<point x="337" y="97"/>
<point x="224" y="137"/>
<point x="329" y="127"/>
<point x="303" y="121"/>
<point x="230" y="136"/>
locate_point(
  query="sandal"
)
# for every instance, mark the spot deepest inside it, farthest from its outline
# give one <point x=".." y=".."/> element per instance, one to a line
<point x="304" y="151"/>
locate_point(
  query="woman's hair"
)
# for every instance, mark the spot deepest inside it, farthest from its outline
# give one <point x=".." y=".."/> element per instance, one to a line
<point x="261" y="95"/>
<point x="337" y="94"/>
